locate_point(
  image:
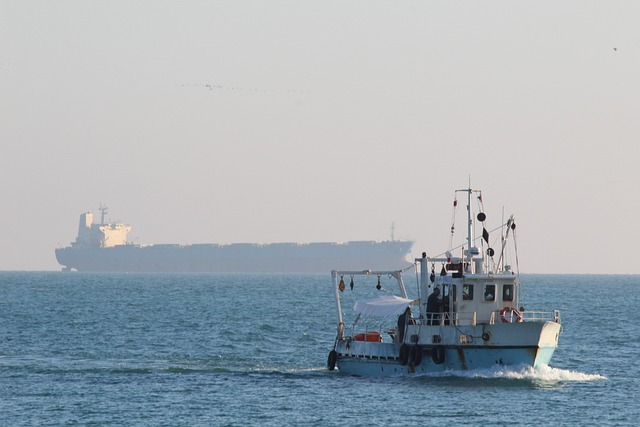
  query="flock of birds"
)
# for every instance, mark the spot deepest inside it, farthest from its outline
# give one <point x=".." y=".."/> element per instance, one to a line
<point x="219" y="87"/>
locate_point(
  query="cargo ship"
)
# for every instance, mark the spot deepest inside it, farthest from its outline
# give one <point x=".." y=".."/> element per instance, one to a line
<point x="103" y="247"/>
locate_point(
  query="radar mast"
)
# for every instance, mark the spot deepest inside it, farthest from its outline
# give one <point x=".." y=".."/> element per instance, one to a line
<point x="103" y="211"/>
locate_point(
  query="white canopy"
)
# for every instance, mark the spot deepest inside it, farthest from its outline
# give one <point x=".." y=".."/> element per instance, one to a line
<point x="383" y="306"/>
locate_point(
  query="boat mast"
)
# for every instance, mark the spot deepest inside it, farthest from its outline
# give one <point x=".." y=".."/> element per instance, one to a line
<point x="469" y="222"/>
<point x="471" y="250"/>
<point x="469" y="238"/>
<point x="103" y="211"/>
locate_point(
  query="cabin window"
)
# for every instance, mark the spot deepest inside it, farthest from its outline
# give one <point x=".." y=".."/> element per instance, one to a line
<point x="467" y="292"/>
<point x="455" y="293"/>
<point x="507" y="292"/>
<point x="489" y="292"/>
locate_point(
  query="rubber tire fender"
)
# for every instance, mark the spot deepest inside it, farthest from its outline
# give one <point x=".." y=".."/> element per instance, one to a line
<point x="437" y="355"/>
<point x="405" y="352"/>
<point x="331" y="360"/>
<point x="416" y="355"/>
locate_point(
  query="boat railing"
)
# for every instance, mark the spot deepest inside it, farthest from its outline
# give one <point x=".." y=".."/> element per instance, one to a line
<point x="439" y="318"/>
<point x="365" y="332"/>
<point x="470" y="318"/>
<point x="464" y="318"/>
<point x="386" y="329"/>
<point x="526" y="316"/>
<point x="541" y="316"/>
<point x="446" y="318"/>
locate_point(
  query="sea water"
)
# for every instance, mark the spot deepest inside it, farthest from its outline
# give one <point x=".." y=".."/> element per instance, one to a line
<point x="248" y="349"/>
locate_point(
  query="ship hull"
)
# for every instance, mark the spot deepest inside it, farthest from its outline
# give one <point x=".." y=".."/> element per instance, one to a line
<point x="525" y="344"/>
<point x="243" y="258"/>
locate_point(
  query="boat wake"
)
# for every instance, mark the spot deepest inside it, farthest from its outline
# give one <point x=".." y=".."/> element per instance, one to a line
<point x="539" y="374"/>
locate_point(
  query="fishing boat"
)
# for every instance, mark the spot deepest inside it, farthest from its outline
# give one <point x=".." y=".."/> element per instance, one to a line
<point x="468" y="313"/>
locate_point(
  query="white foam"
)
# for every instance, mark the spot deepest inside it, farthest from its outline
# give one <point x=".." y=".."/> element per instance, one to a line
<point x="542" y="373"/>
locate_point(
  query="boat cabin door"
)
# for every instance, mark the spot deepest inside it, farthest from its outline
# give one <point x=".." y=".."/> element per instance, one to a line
<point x="448" y="293"/>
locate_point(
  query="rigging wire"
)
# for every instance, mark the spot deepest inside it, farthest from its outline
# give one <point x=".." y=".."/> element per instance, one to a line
<point x="480" y="202"/>
<point x="515" y="247"/>
<point x="415" y="264"/>
<point x="452" y="250"/>
<point x="453" y="221"/>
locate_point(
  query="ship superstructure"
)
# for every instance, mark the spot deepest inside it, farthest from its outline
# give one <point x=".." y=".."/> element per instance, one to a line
<point x="101" y="235"/>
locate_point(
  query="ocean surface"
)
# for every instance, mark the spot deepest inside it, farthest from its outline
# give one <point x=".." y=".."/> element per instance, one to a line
<point x="238" y="350"/>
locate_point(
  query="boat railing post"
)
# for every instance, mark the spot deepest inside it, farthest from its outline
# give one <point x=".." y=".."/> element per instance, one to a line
<point x="556" y="316"/>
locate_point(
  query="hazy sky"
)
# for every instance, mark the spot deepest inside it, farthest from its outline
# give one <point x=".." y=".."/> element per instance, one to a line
<point x="277" y="121"/>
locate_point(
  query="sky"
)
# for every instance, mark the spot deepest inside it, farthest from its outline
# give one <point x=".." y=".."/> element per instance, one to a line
<point x="302" y="121"/>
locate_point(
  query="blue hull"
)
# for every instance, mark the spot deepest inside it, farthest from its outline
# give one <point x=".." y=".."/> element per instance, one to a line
<point x="377" y="358"/>
<point x="454" y="359"/>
